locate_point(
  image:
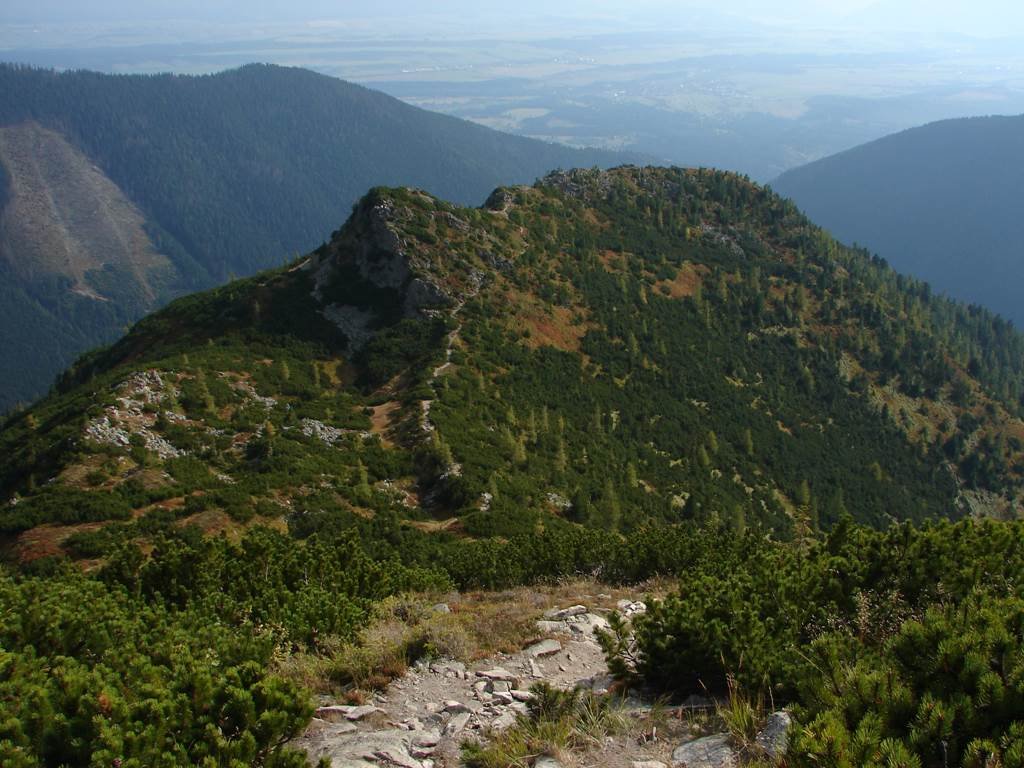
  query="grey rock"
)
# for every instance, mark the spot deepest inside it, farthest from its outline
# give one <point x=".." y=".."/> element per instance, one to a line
<point x="356" y="324"/>
<point x="631" y="607"/>
<point x="339" y="713"/>
<point x="355" y="749"/>
<point x="503" y="721"/>
<point x="648" y="764"/>
<point x="331" y="728"/>
<point x="552" y="627"/>
<point x="441" y="608"/>
<point x="421" y="294"/>
<point x="448" y="668"/>
<point x="544" y="648"/>
<point x="427" y="739"/>
<point x="499" y="199"/>
<point x="499" y="686"/>
<point x="709" y="752"/>
<point x="522" y="695"/>
<point x="601" y="684"/>
<point x="774" y="739"/>
<point x="358" y="713"/>
<point x="419" y="752"/>
<point x="546" y="762"/>
<point x="455" y="707"/>
<point x="397" y="757"/>
<point x="504" y="698"/>
<point x="561" y="614"/>
<point x="457" y="724"/>
<point x="497" y="674"/>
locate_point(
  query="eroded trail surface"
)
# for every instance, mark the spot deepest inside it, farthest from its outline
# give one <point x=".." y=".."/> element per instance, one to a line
<point x="422" y="718"/>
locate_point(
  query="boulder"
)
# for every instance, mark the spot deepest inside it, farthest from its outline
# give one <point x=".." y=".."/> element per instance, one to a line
<point x="774" y="739"/>
<point x="457" y="724"/>
<point x="709" y="752"/>
<point x="544" y="648"/>
<point x="497" y="674"/>
<point x="358" y="750"/>
<point x="648" y="764"/>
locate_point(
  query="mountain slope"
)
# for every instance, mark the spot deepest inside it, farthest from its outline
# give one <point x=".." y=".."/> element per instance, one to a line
<point x="605" y="349"/>
<point x="228" y="173"/>
<point x="941" y="202"/>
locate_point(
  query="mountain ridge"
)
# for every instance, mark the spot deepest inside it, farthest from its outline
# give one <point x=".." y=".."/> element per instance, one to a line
<point x="552" y="359"/>
<point x="939" y="201"/>
<point x="231" y="172"/>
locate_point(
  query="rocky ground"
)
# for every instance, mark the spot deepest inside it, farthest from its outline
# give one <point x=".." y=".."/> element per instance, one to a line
<point x="421" y="720"/>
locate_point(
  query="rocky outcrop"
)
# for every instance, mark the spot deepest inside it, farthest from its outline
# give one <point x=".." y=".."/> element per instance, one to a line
<point x="371" y="248"/>
<point x="140" y="398"/>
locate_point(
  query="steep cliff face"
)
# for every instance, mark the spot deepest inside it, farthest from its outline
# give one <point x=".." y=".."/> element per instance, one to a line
<point x="385" y="265"/>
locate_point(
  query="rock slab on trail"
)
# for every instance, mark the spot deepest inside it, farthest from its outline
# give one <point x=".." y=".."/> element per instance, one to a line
<point x="709" y="752"/>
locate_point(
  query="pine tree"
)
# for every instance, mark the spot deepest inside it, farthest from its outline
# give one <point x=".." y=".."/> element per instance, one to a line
<point x="611" y="512"/>
<point x="631" y="479"/>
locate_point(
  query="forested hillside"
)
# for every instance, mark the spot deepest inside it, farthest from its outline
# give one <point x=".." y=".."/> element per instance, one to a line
<point x="941" y="202"/>
<point x="231" y="173"/>
<point x="628" y="373"/>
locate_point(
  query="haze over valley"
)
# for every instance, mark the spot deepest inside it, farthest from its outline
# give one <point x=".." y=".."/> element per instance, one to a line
<point x="728" y="85"/>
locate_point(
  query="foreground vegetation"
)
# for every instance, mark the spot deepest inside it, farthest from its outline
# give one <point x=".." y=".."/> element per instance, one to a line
<point x="895" y="648"/>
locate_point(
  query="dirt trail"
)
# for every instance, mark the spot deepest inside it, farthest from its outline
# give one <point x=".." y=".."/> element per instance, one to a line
<point x="423" y="717"/>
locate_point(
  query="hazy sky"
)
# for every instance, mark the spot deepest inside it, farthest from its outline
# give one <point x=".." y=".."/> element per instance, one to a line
<point x="989" y="16"/>
<point x="138" y="10"/>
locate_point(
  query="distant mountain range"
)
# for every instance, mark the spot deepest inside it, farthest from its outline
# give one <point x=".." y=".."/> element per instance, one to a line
<point x="942" y="202"/>
<point x="118" y="193"/>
